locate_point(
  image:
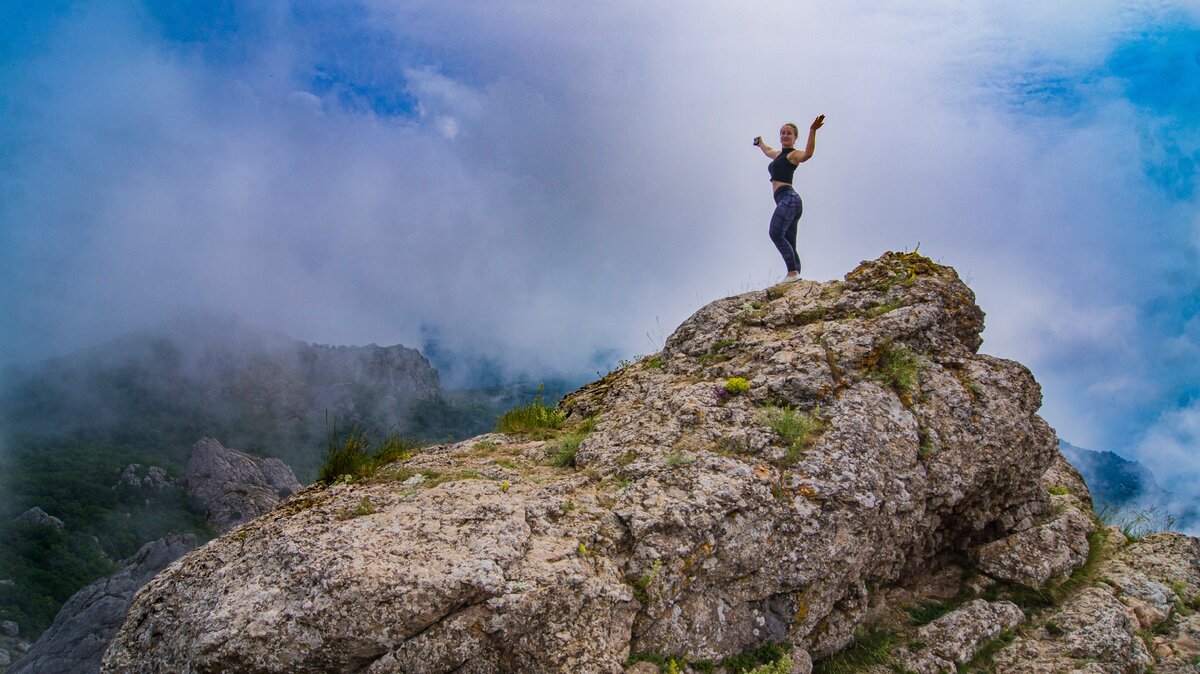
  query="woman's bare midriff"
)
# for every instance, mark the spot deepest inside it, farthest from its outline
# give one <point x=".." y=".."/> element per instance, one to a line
<point x="775" y="185"/>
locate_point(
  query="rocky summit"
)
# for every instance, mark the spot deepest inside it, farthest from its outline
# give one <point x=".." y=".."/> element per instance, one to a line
<point x="799" y="470"/>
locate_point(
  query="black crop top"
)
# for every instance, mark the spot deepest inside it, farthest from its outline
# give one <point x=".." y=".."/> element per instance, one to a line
<point x="781" y="169"/>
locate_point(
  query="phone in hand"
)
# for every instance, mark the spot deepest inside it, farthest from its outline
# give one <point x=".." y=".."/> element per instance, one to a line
<point x="757" y="140"/>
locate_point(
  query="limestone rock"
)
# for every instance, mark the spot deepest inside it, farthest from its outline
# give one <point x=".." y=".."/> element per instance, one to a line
<point x="693" y="522"/>
<point x="146" y="477"/>
<point x="10" y="628"/>
<point x="235" y="487"/>
<point x="957" y="636"/>
<point x="81" y="631"/>
<point x="1034" y="556"/>
<point x="37" y="517"/>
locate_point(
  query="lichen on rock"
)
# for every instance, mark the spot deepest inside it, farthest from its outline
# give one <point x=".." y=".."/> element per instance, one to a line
<point x="688" y="526"/>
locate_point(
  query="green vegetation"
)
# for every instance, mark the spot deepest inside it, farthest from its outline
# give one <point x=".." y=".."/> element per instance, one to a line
<point x="877" y="311"/>
<point x="655" y="362"/>
<point x="365" y="507"/>
<point x="1059" y="491"/>
<point x="987" y="652"/>
<point x="641" y="585"/>
<point x="1054" y="593"/>
<point x="929" y="611"/>
<point x="897" y="367"/>
<point x="714" y="352"/>
<point x="567" y="447"/>
<point x="356" y="457"/>
<point x="797" y="429"/>
<point x="46" y="566"/>
<point x="675" y="459"/>
<point x="736" y="386"/>
<point x="76" y="479"/>
<point x="535" y="418"/>
<point x="872" y="646"/>
<point x="1137" y="523"/>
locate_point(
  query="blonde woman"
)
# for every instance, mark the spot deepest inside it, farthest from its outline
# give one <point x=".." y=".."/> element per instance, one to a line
<point x="788" y="205"/>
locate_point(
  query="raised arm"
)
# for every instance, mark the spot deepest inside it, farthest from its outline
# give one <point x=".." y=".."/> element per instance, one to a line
<point x="802" y="156"/>
<point x="766" y="149"/>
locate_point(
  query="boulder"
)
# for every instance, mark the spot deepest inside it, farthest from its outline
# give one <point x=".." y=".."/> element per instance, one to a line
<point x="37" y="517"/>
<point x="790" y="460"/>
<point x="234" y="487"/>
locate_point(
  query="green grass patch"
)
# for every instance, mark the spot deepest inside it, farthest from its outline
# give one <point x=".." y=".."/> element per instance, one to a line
<point x="563" y="452"/>
<point x="768" y="659"/>
<point x="535" y="418"/>
<point x="877" y="311"/>
<point x="356" y="456"/>
<point x="897" y="367"/>
<point x="714" y="352"/>
<point x="871" y="647"/>
<point x="929" y="611"/>
<point x="797" y="429"/>
<point x="675" y="459"/>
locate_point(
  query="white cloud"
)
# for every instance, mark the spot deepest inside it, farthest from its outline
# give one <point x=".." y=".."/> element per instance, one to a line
<point x="1171" y="448"/>
<point x="576" y="175"/>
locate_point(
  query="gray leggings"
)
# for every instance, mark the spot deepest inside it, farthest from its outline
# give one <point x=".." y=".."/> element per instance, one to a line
<point x="788" y="208"/>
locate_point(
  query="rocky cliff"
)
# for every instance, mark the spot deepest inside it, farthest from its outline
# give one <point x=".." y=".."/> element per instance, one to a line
<point x="233" y="487"/>
<point x="81" y="632"/>
<point x="799" y="468"/>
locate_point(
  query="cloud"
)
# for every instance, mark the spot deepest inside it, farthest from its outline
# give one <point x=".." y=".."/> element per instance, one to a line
<point x="550" y="182"/>
<point x="1170" y="448"/>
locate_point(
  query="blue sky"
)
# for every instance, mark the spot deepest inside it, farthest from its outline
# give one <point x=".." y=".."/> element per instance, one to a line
<point x="547" y="181"/>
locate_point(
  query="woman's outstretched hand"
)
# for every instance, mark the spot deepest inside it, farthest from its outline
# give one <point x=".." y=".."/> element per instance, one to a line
<point x="818" y="122"/>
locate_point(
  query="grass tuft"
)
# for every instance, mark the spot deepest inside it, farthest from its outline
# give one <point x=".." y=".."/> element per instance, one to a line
<point x="798" y="429"/>
<point x="1137" y="523"/>
<point x="535" y="418"/>
<point x="871" y="647"/>
<point x="565" y="449"/>
<point x="356" y="457"/>
<point x="897" y="367"/>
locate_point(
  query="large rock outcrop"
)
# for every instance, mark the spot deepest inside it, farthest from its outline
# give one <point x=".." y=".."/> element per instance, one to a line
<point x="81" y="631"/>
<point x="792" y="465"/>
<point x="234" y="487"/>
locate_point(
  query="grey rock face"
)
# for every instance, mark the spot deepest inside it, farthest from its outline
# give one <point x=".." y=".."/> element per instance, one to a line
<point x="142" y="477"/>
<point x="1036" y="555"/>
<point x="235" y="487"/>
<point x="690" y="525"/>
<point x="1147" y="586"/>
<point x="693" y="521"/>
<point x="37" y="517"/>
<point x="75" y="642"/>
<point x="9" y="628"/>
<point x="957" y="636"/>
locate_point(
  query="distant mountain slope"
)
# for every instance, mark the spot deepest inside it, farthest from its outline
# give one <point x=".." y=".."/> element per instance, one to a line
<point x="259" y="390"/>
<point x="1119" y="484"/>
<point x="69" y="428"/>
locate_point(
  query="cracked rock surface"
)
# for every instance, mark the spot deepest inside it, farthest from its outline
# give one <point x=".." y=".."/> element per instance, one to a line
<point x="873" y="441"/>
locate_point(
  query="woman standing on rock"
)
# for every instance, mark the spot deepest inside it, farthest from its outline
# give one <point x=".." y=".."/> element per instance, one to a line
<point x="787" y="203"/>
